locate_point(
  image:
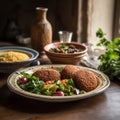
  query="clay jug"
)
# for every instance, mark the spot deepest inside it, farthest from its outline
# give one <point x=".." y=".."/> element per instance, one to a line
<point x="41" y="31"/>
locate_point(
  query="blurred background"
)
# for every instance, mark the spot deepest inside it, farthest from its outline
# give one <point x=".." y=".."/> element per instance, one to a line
<point x="82" y="17"/>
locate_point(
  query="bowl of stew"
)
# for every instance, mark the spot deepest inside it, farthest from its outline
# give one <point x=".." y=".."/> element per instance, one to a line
<point x="65" y="53"/>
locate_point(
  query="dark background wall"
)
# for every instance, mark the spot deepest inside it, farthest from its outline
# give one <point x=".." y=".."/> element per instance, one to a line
<point x="62" y="15"/>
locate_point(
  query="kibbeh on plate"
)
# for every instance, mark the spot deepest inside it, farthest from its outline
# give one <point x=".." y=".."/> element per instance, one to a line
<point x="69" y="71"/>
<point x="85" y="80"/>
<point x="47" y="74"/>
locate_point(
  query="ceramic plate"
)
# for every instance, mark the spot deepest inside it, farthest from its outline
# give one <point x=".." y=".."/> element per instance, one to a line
<point x="13" y="86"/>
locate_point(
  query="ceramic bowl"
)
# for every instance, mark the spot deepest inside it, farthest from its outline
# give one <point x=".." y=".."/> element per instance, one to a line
<point x="9" y="67"/>
<point x="63" y="58"/>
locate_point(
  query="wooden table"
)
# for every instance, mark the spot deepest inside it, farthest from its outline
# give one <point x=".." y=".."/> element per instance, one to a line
<point x="105" y="106"/>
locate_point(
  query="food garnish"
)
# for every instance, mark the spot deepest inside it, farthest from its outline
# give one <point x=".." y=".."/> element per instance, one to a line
<point x="65" y="87"/>
<point x="110" y="60"/>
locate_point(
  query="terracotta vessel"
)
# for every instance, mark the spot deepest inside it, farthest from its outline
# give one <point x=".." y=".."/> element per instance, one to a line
<point x="62" y="58"/>
<point x="41" y="31"/>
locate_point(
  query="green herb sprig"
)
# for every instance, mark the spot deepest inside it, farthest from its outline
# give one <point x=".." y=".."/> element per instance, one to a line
<point x="110" y="60"/>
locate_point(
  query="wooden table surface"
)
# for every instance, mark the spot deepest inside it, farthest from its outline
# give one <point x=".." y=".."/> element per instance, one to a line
<point x="105" y="106"/>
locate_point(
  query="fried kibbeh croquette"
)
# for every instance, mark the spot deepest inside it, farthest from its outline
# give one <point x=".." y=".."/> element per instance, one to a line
<point x="85" y="80"/>
<point x="47" y="74"/>
<point x="68" y="71"/>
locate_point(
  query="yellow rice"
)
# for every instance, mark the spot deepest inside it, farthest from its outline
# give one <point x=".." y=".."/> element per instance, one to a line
<point x="13" y="56"/>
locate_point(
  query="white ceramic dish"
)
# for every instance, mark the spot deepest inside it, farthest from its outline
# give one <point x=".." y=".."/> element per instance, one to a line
<point x="9" y="67"/>
<point x="13" y="86"/>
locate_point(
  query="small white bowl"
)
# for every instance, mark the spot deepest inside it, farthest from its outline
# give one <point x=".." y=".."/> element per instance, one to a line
<point x="9" y="67"/>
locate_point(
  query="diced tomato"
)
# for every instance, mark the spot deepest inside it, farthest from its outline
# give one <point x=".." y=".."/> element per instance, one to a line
<point x="49" y="82"/>
<point x="63" y="81"/>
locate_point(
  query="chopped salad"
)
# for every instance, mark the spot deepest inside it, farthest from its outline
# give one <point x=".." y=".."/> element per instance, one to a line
<point x="65" y="87"/>
<point x="63" y="48"/>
